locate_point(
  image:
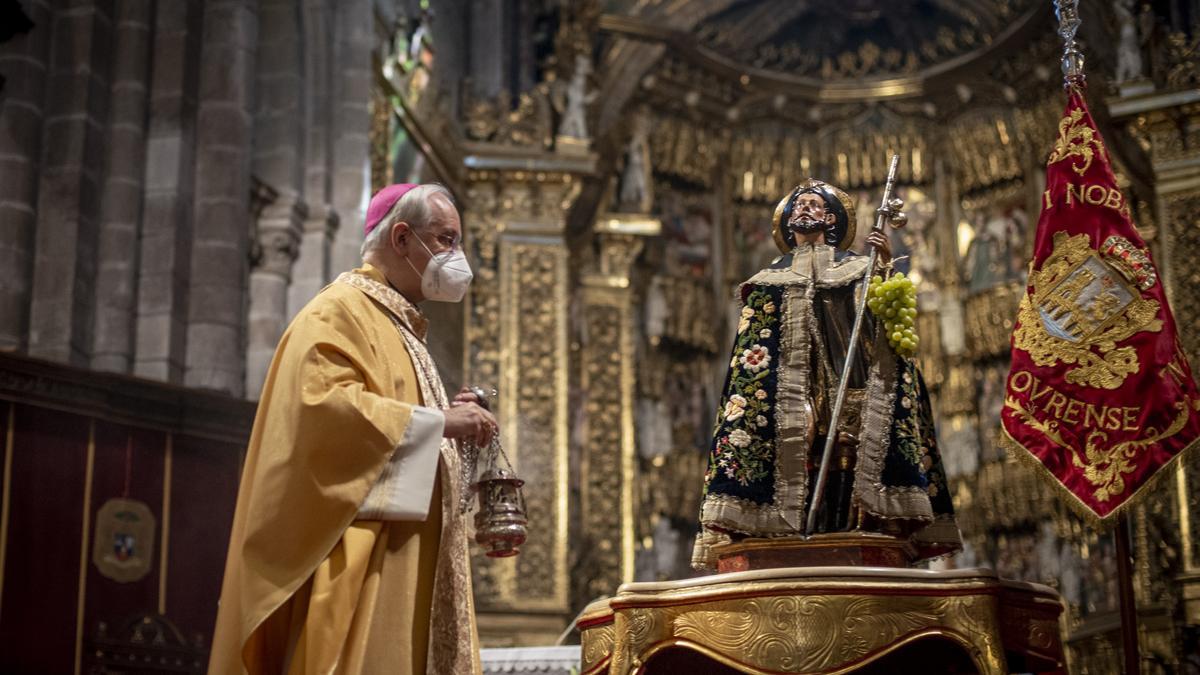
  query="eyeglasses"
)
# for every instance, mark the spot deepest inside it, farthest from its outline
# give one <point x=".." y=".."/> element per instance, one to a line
<point x="449" y="241"/>
<point x="443" y="242"/>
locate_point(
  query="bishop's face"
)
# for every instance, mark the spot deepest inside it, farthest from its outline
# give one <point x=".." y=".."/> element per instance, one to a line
<point x="809" y="214"/>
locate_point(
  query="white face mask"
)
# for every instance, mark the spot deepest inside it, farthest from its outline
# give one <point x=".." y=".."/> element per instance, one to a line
<point x="447" y="275"/>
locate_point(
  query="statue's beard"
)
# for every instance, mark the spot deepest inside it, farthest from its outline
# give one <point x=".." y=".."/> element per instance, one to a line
<point x="807" y="225"/>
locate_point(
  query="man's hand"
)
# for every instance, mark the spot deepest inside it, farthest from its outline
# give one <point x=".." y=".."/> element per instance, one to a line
<point x="470" y="422"/>
<point x="878" y="240"/>
<point x="467" y="395"/>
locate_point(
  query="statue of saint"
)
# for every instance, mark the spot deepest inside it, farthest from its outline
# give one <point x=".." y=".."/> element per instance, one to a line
<point x="1129" y="46"/>
<point x="635" y="188"/>
<point x="574" y="113"/>
<point x="788" y="358"/>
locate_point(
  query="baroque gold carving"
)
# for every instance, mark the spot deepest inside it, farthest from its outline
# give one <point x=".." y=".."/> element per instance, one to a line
<point x="516" y="341"/>
<point x="380" y="138"/>
<point x="528" y="123"/>
<point x="596" y="645"/>
<point x="986" y="151"/>
<point x="534" y="330"/>
<point x="1184" y="235"/>
<point x="602" y="474"/>
<point x="608" y="452"/>
<point x="988" y="317"/>
<point x="682" y="148"/>
<point x="1183" y="55"/>
<point x="808" y="626"/>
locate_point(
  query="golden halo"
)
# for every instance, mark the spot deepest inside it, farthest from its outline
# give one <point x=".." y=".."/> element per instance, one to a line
<point x="842" y="233"/>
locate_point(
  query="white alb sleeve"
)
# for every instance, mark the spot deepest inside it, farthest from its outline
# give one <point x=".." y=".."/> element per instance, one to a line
<point x="405" y="488"/>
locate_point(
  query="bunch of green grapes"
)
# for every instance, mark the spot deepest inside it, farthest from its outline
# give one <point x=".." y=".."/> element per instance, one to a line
<point x="894" y="301"/>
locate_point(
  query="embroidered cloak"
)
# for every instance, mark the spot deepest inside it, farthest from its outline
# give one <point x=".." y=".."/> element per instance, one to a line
<point x="788" y="355"/>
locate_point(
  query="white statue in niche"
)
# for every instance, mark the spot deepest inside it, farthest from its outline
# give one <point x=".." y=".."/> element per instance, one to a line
<point x="1129" y="51"/>
<point x="574" y="119"/>
<point x="635" y="194"/>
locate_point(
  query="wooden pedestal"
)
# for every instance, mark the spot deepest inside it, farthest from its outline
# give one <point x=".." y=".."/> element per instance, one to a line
<point x="826" y="620"/>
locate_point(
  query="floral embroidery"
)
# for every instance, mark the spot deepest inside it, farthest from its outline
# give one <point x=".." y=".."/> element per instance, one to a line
<point x="742" y="448"/>
<point x="735" y="408"/>
<point x="755" y="358"/>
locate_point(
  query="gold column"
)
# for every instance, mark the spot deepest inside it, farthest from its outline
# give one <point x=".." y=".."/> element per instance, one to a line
<point x="1166" y="124"/>
<point x="609" y="447"/>
<point x="516" y="340"/>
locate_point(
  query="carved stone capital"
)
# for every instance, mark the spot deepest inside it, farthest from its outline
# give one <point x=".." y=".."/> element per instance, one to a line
<point x="322" y="218"/>
<point x="276" y="242"/>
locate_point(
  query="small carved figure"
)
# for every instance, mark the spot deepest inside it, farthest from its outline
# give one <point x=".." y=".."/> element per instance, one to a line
<point x="635" y="193"/>
<point x="1129" y="49"/>
<point x="574" y="116"/>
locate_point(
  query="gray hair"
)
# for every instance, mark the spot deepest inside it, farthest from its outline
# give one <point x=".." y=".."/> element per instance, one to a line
<point x="412" y="208"/>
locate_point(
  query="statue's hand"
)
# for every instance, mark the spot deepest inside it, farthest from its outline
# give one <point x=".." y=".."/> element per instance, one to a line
<point x="878" y="240"/>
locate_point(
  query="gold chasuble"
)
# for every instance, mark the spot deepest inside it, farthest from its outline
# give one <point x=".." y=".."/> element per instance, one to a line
<point x="311" y="586"/>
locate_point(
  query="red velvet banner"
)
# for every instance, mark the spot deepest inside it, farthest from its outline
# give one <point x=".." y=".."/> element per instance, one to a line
<point x="1100" y="394"/>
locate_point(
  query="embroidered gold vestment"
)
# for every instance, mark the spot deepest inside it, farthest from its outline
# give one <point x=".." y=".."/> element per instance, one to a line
<point x="309" y="586"/>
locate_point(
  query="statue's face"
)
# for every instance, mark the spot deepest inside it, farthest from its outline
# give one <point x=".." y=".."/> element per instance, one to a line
<point x="809" y="214"/>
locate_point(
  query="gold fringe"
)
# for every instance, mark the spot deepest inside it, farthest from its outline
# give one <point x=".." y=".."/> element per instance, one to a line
<point x="1024" y="456"/>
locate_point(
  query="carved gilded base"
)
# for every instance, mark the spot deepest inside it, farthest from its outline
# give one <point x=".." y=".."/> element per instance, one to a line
<point x="825" y="620"/>
<point x="858" y="549"/>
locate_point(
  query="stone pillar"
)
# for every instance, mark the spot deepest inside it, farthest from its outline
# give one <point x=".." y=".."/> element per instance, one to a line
<point x="23" y="64"/>
<point x="220" y="245"/>
<point x="516" y="340"/>
<point x="275" y="249"/>
<point x="353" y="80"/>
<point x="312" y="270"/>
<point x="607" y="509"/>
<point x="121" y="202"/>
<point x="280" y="156"/>
<point x="167" y="206"/>
<point x="70" y="182"/>
<point x="279" y="135"/>
<point x="318" y="58"/>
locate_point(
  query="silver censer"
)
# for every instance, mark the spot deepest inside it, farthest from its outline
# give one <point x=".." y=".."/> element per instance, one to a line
<point x="500" y="522"/>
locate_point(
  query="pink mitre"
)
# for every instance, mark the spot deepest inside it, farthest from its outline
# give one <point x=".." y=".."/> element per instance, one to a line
<point x="382" y="203"/>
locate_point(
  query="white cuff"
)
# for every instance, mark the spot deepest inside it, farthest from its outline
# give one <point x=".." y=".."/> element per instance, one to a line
<point x="405" y="488"/>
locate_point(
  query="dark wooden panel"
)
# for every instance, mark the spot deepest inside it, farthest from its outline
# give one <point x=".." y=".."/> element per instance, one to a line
<point x="203" y="496"/>
<point x="125" y="399"/>
<point x="41" y="573"/>
<point x="108" y="600"/>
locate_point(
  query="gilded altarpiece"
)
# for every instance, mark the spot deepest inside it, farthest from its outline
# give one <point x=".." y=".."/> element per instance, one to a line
<point x="516" y="340"/>
<point x="1166" y="126"/>
<point x="608" y="450"/>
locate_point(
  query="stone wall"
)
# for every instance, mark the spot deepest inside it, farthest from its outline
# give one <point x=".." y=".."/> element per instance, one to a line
<point x="173" y="174"/>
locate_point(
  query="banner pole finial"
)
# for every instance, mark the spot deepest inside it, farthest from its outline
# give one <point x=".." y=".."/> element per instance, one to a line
<point x="1067" y="12"/>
